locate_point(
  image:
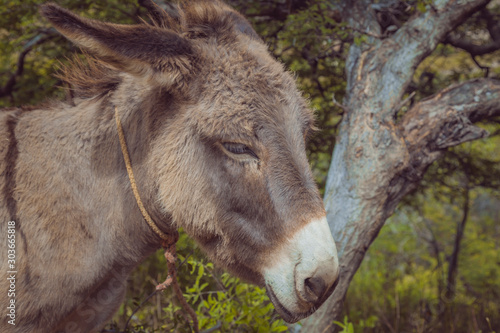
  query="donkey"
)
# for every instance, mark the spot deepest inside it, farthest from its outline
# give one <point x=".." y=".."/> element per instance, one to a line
<point x="216" y="131"/>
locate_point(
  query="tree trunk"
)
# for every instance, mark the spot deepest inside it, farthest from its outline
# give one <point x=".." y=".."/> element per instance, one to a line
<point x="378" y="159"/>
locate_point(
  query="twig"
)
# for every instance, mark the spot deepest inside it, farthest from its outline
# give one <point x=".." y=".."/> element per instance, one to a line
<point x="37" y="40"/>
<point x="371" y="34"/>
<point x="343" y="107"/>
<point x="486" y="69"/>
<point x="137" y="309"/>
<point x="213" y="329"/>
<point x="185" y="259"/>
<point x="406" y="100"/>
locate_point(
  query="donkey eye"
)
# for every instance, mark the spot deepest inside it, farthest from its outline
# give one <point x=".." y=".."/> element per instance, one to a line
<point x="238" y="149"/>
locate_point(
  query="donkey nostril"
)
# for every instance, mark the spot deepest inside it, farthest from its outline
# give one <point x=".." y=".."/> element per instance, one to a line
<point x="315" y="286"/>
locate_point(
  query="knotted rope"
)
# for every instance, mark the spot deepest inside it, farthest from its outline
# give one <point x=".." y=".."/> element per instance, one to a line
<point x="169" y="240"/>
<point x="171" y="280"/>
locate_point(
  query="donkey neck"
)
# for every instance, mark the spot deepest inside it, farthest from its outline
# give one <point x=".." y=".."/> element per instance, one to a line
<point x="92" y="152"/>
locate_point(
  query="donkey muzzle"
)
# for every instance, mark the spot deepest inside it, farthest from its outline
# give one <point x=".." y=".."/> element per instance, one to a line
<point x="304" y="272"/>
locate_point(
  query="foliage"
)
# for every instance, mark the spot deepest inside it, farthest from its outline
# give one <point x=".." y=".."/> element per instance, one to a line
<point x="346" y="326"/>
<point x="312" y="44"/>
<point x="402" y="279"/>
<point x="219" y="299"/>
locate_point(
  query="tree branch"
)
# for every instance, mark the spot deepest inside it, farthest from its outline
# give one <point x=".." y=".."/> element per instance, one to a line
<point x="8" y="88"/>
<point x="394" y="58"/>
<point x="472" y="48"/>
<point x="446" y="119"/>
<point x="493" y="27"/>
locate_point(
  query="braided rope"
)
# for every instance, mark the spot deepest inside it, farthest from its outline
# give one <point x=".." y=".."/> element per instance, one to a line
<point x="131" y="177"/>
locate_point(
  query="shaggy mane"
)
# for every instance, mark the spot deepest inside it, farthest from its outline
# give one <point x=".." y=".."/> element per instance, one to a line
<point x="89" y="77"/>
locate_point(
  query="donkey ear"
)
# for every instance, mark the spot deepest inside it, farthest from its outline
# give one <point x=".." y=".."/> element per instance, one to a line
<point x="161" y="17"/>
<point x="140" y="50"/>
<point x="242" y="25"/>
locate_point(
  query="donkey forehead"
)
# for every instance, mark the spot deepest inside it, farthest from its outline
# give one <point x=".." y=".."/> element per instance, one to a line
<point x="246" y="91"/>
<point x="252" y="115"/>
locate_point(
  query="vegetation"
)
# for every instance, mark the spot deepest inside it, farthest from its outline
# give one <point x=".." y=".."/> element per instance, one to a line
<point x="435" y="265"/>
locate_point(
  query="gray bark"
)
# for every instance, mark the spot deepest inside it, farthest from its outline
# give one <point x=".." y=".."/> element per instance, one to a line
<point x="377" y="160"/>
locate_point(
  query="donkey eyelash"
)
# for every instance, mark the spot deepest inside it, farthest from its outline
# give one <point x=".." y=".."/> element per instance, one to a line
<point x="239" y="149"/>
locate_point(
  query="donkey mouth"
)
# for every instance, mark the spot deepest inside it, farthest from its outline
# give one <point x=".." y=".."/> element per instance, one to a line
<point x="283" y="311"/>
<point x="288" y="316"/>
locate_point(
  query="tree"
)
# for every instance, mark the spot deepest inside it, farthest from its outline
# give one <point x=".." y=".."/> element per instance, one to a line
<point x="382" y="153"/>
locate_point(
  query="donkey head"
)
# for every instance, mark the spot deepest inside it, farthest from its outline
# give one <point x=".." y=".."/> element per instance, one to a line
<point x="229" y="160"/>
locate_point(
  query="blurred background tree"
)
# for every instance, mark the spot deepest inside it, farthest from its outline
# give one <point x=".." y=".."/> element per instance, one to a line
<point x="435" y="265"/>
